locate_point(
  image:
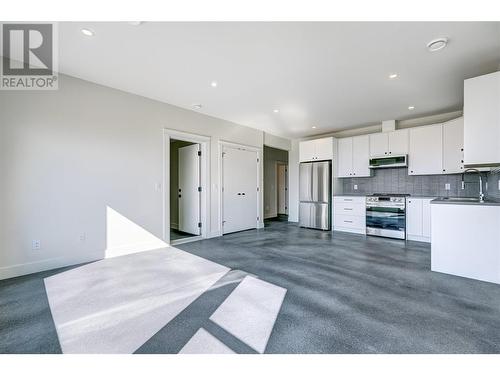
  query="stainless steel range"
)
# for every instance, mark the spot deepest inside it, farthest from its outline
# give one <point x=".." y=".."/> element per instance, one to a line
<point x="386" y="215"/>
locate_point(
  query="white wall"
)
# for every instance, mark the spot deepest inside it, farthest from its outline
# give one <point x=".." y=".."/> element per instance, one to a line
<point x="66" y="155"/>
<point x="277" y="142"/>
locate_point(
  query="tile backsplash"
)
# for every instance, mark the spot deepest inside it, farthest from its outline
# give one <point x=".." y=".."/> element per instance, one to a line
<point x="397" y="180"/>
<point x="493" y="178"/>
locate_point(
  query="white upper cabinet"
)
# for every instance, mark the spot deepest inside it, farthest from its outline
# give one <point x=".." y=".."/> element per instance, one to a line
<point x="482" y="119"/>
<point x="307" y="150"/>
<point x="453" y="146"/>
<point x="389" y="143"/>
<point x="324" y="148"/>
<point x="426" y="150"/>
<point x="316" y="149"/>
<point x="354" y="156"/>
<point x="398" y="142"/>
<point x="379" y="144"/>
<point x="345" y="157"/>
<point x="361" y="156"/>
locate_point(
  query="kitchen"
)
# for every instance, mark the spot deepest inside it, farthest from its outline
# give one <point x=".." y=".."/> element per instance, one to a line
<point x="436" y="183"/>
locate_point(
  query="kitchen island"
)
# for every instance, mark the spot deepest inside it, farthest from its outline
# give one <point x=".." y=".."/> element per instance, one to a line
<point x="466" y="238"/>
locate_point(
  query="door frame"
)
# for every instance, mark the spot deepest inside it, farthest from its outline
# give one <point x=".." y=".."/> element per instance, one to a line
<point x="278" y="163"/>
<point x="204" y="142"/>
<point x="258" y="151"/>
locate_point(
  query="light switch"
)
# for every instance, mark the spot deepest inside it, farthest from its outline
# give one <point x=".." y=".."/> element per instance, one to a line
<point x="355" y="187"/>
<point x="447" y="186"/>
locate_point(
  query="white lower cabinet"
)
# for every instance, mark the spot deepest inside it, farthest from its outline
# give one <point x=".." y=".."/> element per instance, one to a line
<point x="418" y="219"/>
<point x="466" y="241"/>
<point x="349" y="214"/>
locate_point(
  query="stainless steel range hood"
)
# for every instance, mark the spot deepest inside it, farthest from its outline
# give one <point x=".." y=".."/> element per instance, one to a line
<point x="485" y="165"/>
<point x="389" y="161"/>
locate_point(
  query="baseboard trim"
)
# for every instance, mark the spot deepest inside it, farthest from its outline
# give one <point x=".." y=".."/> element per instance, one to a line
<point x="418" y="238"/>
<point x="48" y="264"/>
<point x="174" y="226"/>
<point x="216" y="233"/>
<point x="270" y="216"/>
<point x="350" y="230"/>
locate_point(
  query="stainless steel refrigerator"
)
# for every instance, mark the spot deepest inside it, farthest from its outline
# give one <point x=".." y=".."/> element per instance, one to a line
<point x="315" y="195"/>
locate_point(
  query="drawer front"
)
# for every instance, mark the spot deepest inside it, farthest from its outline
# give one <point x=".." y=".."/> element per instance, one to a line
<point x="357" y="200"/>
<point x="348" y="221"/>
<point x="349" y="208"/>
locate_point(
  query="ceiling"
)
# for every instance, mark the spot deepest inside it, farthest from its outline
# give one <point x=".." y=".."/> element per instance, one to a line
<point x="333" y="76"/>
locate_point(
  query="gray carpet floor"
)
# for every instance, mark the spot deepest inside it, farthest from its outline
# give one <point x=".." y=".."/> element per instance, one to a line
<point x="345" y="294"/>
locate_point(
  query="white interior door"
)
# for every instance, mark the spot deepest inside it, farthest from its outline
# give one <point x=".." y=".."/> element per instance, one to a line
<point x="189" y="194"/>
<point x="240" y="182"/>
<point x="282" y="189"/>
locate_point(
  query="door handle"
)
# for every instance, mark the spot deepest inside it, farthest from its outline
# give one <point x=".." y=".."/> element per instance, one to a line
<point x="180" y="196"/>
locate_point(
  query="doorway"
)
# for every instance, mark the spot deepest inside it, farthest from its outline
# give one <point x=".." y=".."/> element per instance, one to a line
<point x="185" y="182"/>
<point x="275" y="184"/>
<point x="282" y="188"/>
<point x="185" y="200"/>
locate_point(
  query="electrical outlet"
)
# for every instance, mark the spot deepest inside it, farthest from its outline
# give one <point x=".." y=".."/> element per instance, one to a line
<point x="447" y="187"/>
<point x="355" y="187"/>
<point x="158" y="187"/>
<point x="36" y="245"/>
<point x="83" y="237"/>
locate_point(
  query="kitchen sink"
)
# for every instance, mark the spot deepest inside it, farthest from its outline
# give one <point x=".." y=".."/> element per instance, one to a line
<point x="461" y="199"/>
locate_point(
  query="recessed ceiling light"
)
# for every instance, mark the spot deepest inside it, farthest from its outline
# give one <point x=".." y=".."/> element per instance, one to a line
<point x="393" y="76"/>
<point x="87" y="32"/>
<point x="213" y="84"/>
<point x="276" y="110"/>
<point x="197" y="106"/>
<point x="437" y="44"/>
<point x="314" y="127"/>
<point x="411" y="108"/>
<point x="135" y="23"/>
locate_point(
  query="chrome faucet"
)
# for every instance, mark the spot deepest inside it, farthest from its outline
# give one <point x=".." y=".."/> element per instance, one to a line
<point x="481" y="194"/>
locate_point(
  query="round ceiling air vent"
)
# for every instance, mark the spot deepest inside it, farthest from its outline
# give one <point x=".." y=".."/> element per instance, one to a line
<point x="437" y="44"/>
